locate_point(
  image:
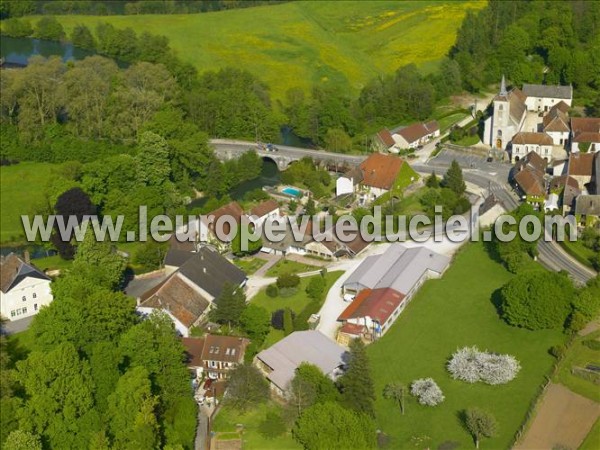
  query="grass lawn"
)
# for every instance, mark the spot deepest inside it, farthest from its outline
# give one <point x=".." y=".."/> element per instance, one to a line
<point x="592" y="439"/>
<point x="249" y="264"/>
<point x="304" y="43"/>
<point x="448" y="121"/>
<point x="447" y="314"/>
<point x="52" y="263"/>
<point x="579" y="251"/>
<point x="579" y="355"/>
<point x="227" y="419"/>
<point x="22" y="187"/>
<point x="289" y="266"/>
<point x="468" y="140"/>
<point x="299" y="300"/>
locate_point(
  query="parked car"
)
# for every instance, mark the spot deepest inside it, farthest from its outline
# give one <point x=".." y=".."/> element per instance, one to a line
<point x="208" y="383"/>
<point x="348" y="297"/>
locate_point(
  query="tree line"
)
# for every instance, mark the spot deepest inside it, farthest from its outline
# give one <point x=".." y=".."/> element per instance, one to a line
<point x="93" y="374"/>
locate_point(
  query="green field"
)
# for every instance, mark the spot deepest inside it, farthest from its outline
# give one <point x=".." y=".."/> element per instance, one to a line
<point x="593" y="438"/>
<point x="22" y="188"/>
<point x="579" y="251"/>
<point x="579" y="355"/>
<point x="300" y="44"/>
<point x="249" y="264"/>
<point x="446" y="314"/>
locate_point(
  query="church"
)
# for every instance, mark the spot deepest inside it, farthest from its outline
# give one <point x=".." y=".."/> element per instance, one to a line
<point x="517" y="111"/>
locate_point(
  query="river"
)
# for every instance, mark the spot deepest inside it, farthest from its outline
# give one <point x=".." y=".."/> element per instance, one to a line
<point x="18" y="50"/>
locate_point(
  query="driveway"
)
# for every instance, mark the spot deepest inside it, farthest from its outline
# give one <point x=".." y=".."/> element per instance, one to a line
<point x="16" y="326"/>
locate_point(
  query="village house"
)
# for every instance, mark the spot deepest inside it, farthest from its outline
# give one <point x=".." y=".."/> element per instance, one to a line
<point x="585" y="134"/>
<point x="24" y="289"/>
<point x="219" y="219"/>
<point x="542" y="97"/>
<point x="214" y="356"/>
<point x="567" y="189"/>
<point x="384" y="284"/>
<point x="556" y="124"/>
<point x="267" y="210"/>
<point x="379" y="174"/>
<point x="524" y="142"/>
<point x="528" y="174"/>
<point x="384" y="142"/>
<point x="587" y="210"/>
<point x="581" y="167"/>
<point x="279" y="362"/>
<point x="193" y="284"/>
<point x="349" y="182"/>
<point x="415" y="135"/>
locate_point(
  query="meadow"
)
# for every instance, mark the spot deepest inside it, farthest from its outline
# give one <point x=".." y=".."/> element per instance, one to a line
<point x="300" y="44"/>
<point x="22" y="187"/>
<point x="447" y="314"/>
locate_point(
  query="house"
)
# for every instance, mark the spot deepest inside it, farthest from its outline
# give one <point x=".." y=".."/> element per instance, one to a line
<point x="24" y="289"/>
<point x="542" y="97"/>
<point x="379" y="173"/>
<point x="384" y="284"/>
<point x="279" y="362"/>
<point x="556" y="124"/>
<point x="214" y="356"/>
<point x="267" y="210"/>
<point x="193" y="285"/>
<point x="348" y="183"/>
<point x="384" y="142"/>
<point x="585" y="134"/>
<point x="587" y="209"/>
<point x="509" y="112"/>
<point x="529" y="175"/>
<point x="567" y="189"/>
<point x="415" y="135"/>
<point x="581" y="167"/>
<point x="220" y="219"/>
<point x="524" y="142"/>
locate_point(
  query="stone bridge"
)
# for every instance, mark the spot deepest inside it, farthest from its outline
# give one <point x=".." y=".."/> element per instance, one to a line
<point x="226" y="149"/>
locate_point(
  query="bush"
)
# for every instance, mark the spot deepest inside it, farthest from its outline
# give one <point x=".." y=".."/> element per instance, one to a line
<point x="470" y="365"/>
<point x="427" y="392"/>
<point x="277" y="318"/>
<point x="315" y="287"/>
<point x="288" y="322"/>
<point x="272" y="290"/>
<point x="558" y="351"/>
<point x="287" y="280"/>
<point x="576" y="322"/>
<point x="592" y="344"/>
<point x="17" y="28"/>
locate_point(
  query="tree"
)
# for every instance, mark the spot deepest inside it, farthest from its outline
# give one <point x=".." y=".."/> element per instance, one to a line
<point x="288" y="322"/>
<point x="310" y="208"/>
<point x="81" y="37"/>
<point x="256" y="321"/>
<point x="337" y="140"/>
<point x="22" y="440"/>
<point x="153" y="159"/>
<point x="151" y="255"/>
<point x="331" y="426"/>
<point x="480" y="424"/>
<point x="537" y="300"/>
<point x="231" y="304"/>
<point x="246" y="388"/>
<point x="131" y="411"/>
<point x="272" y="290"/>
<point x="356" y="384"/>
<point x="471" y="365"/>
<point x="427" y="392"/>
<point x="315" y="287"/>
<point x="277" y="318"/>
<point x="303" y="394"/>
<point x="397" y="392"/>
<point x="432" y="181"/>
<point x="325" y="390"/>
<point x="287" y="280"/>
<point x="49" y="28"/>
<point x="454" y="179"/>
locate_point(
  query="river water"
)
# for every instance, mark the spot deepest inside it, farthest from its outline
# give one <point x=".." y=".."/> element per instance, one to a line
<point x="18" y="50"/>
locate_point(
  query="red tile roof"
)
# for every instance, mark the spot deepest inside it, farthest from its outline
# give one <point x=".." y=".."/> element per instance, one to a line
<point x="386" y="138"/>
<point x="378" y="304"/>
<point x="353" y="329"/>
<point x="581" y="164"/>
<point x="381" y="171"/>
<point x="224" y="348"/>
<point x="264" y="208"/>
<point x="193" y="351"/>
<point x="530" y="182"/>
<point x="525" y="137"/>
<point x="416" y="131"/>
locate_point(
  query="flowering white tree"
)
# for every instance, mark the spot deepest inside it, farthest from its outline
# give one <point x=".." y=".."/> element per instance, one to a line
<point x="471" y="365"/>
<point x="427" y="392"/>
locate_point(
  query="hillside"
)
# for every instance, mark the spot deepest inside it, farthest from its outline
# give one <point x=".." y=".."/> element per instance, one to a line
<point x="302" y="43"/>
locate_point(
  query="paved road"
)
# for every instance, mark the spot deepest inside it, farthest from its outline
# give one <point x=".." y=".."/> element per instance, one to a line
<point x="16" y="326"/>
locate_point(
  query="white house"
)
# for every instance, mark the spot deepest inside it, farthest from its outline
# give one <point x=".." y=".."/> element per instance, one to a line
<point x="541" y="97"/>
<point x="267" y="210"/>
<point x="585" y="134"/>
<point x="348" y="182"/>
<point x="524" y="142"/>
<point x="379" y="174"/>
<point x="24" y="289"/>
<point x="556" y="124"/>
<point x="414" y="135"/>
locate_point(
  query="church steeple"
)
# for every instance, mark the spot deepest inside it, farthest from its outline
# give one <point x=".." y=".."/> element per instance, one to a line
<point x="503" y="86"/>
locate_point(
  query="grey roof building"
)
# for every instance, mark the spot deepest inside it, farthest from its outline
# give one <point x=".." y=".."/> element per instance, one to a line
<point x="399" y="268"/>
<point x="280" y="361"/>
<point x="548" y="91"/>
<point x="587" y="205"/>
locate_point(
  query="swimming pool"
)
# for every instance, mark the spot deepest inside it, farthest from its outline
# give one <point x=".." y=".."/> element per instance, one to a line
<point x="291" y="191"/>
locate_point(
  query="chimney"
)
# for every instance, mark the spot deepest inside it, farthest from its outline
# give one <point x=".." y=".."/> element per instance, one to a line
<point x="26" y="256"/>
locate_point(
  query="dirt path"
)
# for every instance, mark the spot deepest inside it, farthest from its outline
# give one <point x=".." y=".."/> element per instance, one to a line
<point x="563" y="419"/>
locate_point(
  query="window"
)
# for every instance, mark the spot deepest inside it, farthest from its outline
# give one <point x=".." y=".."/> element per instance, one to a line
<point x="23" y="298"/>
<point x="34" y="295"/>
<point x="500" y="107"/>
<point x="35" y="307"/>
<point x="25" y="310"/>
<point x="12" y="313"/>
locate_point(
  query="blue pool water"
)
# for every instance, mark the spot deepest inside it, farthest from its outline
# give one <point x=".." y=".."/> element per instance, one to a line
<point x="291" y="191"/>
